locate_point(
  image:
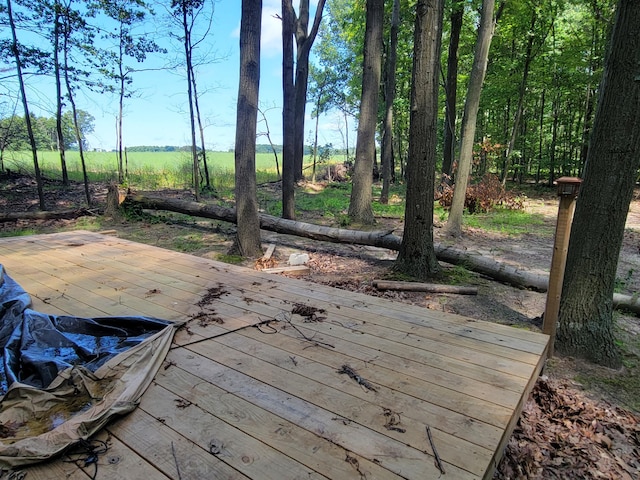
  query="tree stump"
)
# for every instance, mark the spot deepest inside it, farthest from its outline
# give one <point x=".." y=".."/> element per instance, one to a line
<point x="115" y="196"/>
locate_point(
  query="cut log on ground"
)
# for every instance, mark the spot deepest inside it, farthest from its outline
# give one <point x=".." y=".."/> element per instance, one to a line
<point x="424" y="287"/>
<point x="44" y="215"/>
<point x="382" y="239"/>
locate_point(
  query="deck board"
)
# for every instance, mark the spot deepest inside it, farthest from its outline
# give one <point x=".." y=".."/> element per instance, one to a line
<point x="235" y="401"/>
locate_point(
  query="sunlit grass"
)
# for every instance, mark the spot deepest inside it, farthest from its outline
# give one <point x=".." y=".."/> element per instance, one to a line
<point x="509" y="222"/>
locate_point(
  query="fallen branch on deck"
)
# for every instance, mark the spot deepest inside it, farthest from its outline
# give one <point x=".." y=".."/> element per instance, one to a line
<point x="423" y="287"/>
<point x="382" y="239"/>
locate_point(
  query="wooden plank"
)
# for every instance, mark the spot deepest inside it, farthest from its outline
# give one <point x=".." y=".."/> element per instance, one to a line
<point x="372" y="355"/>
<point x="118" y="462"/>
<point x="465" y="402"/>
<point x="342" y="429"/>
<point x="307" y="448"/>
<point x="229" y="444"/>
<point x="269" y="252"/>
<point x="293" y="270"/>
<point x="151" y="439"/>
<point x="259" y="359"/>
<point x="540" y="340"/>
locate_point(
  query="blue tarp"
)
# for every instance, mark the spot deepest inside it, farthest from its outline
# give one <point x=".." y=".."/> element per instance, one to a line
<point x="81" y="369"/>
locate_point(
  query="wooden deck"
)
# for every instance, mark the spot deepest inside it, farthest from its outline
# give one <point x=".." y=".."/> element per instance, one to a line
<point x="241" y="400"/>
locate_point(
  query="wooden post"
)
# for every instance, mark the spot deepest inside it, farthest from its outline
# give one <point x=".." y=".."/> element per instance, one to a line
<point x="568" y="191"/>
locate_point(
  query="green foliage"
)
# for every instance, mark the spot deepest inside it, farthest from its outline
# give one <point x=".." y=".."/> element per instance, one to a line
<point x="457" y="275"/>
<point x="233" y="259"/>
<point x="14" y="137"/>
<point x="188" y="243"/>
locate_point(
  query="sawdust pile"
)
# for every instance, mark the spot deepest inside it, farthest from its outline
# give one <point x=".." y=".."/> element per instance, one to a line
<point x="563" y="434"/>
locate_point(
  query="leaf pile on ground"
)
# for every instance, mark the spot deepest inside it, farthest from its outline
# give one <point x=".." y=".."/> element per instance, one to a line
<point x="565" y="435"/>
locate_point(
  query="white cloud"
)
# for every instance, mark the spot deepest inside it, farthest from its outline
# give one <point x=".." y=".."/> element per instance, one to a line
<point x="271" y="37"/>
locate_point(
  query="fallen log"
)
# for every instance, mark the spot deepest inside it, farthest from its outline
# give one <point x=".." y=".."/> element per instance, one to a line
<point x="43" y="215"/>
<point x="383" y="239"/>
<point x="424" y="287"/>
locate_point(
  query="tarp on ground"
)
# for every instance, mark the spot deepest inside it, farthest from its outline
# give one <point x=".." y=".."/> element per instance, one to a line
<point x="63" y="378"/>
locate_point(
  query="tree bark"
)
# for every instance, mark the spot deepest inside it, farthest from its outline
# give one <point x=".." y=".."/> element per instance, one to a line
<point x="288" y="114"/>
<point x="248" y="235"/>
<point x="304" y="42"/>
<point x="451" y="90"/>
<point x="417" y="256"/>
<point x="389" y="97"/>
<point x="471" y="106"/>
<point x="424" y="287"/>
<point x="25" y="104"/>
<point x="56" y="66"/>
<point x="586" y="326"/>
<point x="361" y="197"/>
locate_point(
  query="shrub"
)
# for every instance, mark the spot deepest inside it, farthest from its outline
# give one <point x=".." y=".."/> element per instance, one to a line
<point x="483" y="196"/>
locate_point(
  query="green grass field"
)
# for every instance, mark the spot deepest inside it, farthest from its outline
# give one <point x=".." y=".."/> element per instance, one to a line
<point x="145" y="169"/>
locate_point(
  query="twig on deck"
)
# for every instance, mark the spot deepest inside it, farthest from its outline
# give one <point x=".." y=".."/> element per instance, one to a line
<point x="285" y="317"/>
<point x="175" y="459"/>
<point x="266" y="323"/>
<point x="438" y="461"/>
<point x="393" y="420"/>
<point x="353" y="375"/>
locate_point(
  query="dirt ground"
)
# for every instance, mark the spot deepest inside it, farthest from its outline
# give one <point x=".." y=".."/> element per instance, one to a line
<point x="572" y="427"/>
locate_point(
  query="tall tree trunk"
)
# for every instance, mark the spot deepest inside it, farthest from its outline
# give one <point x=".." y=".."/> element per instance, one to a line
<point x="288" y="114"/>
<point x="540" y="135"/>
<point x="554" y="139"/>
<point x="471" y="106"/>
<point x="74" y="110"/>
<point x="389" y="96"/>
<point x="248" y="235"/>
<point x="25" y="104"/>
<point x="360" y="205"/>
<point x="304" y="42"/>
<point x="121" y="78"/>
<point x="196" y="105"/>
<point x="56" y="65"/>
<point x="585" y="326"/>
<point x="417" y="256"/>
<point x="192" y="122"/>
<point x="451" y="89"/>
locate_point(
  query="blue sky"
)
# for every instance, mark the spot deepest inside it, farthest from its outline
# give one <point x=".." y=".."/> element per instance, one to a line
<point x="156" y="115"/>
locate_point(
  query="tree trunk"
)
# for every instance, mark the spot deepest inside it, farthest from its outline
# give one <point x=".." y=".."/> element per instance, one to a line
<point x="288" y="114"/>
<point x="389" y="97"/>
<point x="586" y="326"/>
<point x="360" y="205"/>
<point x="417" y="256"/>
<point x="121" y="78"/>
<point x="192" y="121"/>
<point x="471" y="106"/>
<point x="304" y="42"/>
<point x="25" y="105"/>
<point x="203" y="147"/>
<point x="451" y="90"/>
<point x="248" y="235"/>
<point x="74" y="110"/>
<point x="56" y="65"/>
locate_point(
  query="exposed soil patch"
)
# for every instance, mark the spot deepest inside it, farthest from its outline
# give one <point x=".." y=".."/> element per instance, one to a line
<point x="572" y="426"/>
